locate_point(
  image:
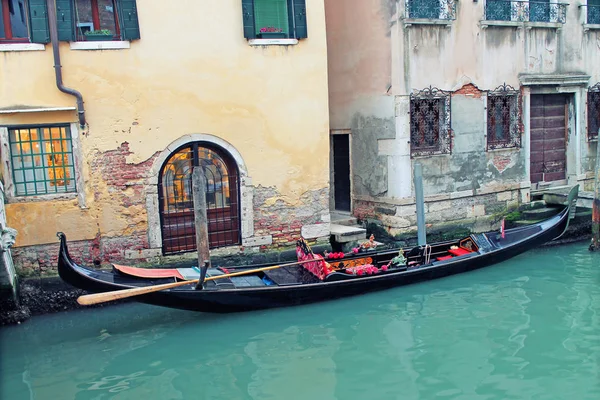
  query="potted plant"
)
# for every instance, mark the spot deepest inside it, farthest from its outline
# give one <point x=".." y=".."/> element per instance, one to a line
<point x="270" y="32"/>
<point x="98" y="35"/>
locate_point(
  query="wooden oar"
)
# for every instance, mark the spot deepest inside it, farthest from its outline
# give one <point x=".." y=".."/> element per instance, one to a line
<point x="89" y="299"/>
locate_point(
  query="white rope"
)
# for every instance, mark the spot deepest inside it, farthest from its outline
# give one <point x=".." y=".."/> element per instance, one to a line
<point x="427" y="253"/>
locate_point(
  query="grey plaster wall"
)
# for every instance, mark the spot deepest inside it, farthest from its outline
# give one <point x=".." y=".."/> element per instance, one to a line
<point x="470" y="166"/>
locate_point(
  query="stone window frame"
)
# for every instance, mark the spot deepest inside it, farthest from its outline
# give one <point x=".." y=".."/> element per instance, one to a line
<point x="444" y="132"/>
<point x="7" y="173"/>
<point x="515" y="113"/>
<point x="246" y="191"/>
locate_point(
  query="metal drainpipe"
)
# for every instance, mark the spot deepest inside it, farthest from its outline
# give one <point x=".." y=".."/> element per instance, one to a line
<point x="52" y="22"/>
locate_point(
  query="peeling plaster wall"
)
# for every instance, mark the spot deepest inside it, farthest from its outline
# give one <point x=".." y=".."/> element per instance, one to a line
<point x="269" y="102"/>
<point x="466" y="53"/>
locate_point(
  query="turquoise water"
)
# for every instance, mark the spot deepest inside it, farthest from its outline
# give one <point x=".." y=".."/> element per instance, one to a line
<point x="525" y="329"/>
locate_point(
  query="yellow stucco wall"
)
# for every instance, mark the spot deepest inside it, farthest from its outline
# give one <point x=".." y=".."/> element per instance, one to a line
<point x="191" y="72"/>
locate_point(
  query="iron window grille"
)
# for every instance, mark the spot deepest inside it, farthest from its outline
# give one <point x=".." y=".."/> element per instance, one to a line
<point x="526" y="11"/>
<point x="42" y="160"/>
<point x="503" y="118"/>
<point x="430" y="122"/>
<point x="431" y="9"/>
<point x="593" y="111"/>
<point x="593" y="12"/>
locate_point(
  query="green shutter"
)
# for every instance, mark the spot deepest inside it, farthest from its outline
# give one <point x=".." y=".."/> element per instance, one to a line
<point x="128" y="19"/>
<point x="38" y="21"/>
<point x="272" y="15"/>
<point x="64" y="18"/>
<point x="1" y="22"/>
<point x="299" y="10"/>
<point x="248" y="19"/>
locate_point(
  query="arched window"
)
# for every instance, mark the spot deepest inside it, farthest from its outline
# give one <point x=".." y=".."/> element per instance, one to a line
<point x="176" y="202"/>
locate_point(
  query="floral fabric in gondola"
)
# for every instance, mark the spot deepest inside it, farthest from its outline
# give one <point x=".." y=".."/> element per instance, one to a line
<point x="319" y="268"/>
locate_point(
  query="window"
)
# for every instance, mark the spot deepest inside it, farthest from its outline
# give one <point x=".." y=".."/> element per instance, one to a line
<point x="503" y="118"/>
<point x="430" y="122"/>
<point x="526" y="11"/>
<point x="42" y="160"/>
<point x="593" y="110"/>
<point x="97" y="20"/>
<point x="23" y="21"/>
<point x="431" y="9"/>
<point x="274" y="19"/>
<point x="593" y="11"/>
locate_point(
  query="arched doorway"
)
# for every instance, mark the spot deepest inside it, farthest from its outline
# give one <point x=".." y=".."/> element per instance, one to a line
<point x="176" y="204"/>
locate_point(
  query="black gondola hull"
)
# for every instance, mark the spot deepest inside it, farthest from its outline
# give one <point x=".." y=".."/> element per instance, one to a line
<point x="255" y="298"/>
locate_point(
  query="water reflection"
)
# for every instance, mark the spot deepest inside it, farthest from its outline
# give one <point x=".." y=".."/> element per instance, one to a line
<point x="523" y="329"/>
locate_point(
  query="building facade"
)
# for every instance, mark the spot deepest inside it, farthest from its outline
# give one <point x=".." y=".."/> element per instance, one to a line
<point x="495" y="99"/>
<point x="235" y="87"/>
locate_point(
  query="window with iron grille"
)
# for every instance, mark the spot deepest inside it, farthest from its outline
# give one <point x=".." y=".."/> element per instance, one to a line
<point x="42" y="160"/>
<point x="593" y="110"/>
<point x="593" y="11"/>
<point x="526" y="11"/>
<point x="503" y="118"/>
<point x="430" y="122"/>
<point x="431" y="9"/>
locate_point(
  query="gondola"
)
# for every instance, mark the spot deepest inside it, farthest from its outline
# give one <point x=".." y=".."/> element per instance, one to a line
<point x="313" y="279"/>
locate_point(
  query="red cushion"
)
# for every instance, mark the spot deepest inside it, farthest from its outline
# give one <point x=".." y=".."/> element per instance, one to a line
<point x="458" y="252"/>
<point x="444" y="258"/>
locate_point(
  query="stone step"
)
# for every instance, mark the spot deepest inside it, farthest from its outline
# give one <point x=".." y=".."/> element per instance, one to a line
<point x="342" y="218"/>
<point x="538" y="214"/>
<point x="345" y="234"/>
<point x="559" y="196"/>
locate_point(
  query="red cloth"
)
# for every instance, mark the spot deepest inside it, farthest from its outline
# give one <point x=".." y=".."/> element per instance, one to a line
<point x="444" y="258"/>
<point x="458" y="252"/>
<point x="149" y="272"/>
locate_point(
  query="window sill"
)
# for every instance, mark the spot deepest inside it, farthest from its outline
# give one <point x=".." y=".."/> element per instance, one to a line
<point x="418" y="21"/>
<point x="22" y="47"/>
<point x="13" y="199"/>
<point x="513" y="149"/>
<point x="520" y="24"/>
<point x="272" y="42"/>
<point x="107" y="45"/>
<point x="591" y="27"/>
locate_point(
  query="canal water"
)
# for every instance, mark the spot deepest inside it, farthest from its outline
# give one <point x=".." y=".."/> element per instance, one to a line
<point x="524" y="329"/>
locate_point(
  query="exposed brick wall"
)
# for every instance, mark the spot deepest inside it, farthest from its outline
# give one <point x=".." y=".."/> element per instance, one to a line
<point x="468" y="90"/>
<point x="364" y="209"/>
<point x="42" y="259"/>
<point x="274" y="216"/>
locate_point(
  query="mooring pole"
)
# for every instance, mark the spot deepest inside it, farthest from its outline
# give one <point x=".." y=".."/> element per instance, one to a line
<point x="200" y="221"/>
<point x="596" y="204"/>
<point x="420" y="200"/>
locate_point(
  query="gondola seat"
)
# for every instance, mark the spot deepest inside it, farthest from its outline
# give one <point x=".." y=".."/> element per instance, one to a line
<point x="458" y="252"/>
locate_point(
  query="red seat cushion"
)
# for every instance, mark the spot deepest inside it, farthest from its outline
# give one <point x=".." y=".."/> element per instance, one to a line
<point x="444" y="258"/>
<point x="458" y="252"/>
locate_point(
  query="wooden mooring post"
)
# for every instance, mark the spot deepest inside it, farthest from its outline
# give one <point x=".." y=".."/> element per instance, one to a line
<point x="595" y="246"/>
<point x="200" y="222"/>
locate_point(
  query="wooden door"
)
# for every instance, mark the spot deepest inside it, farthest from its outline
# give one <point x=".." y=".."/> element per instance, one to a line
<point x="177" y="207"/>
<point x="548" y="126"/>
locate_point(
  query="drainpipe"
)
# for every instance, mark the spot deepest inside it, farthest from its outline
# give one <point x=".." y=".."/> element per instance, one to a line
<point x="52" y="22"/>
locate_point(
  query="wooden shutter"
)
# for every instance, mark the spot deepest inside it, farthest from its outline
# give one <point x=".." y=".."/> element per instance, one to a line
<point x="64" y="19"/>
<point x="38" y="21"/>
<point x="128" y="19"/>
<point x="2" y="34"/>
<point x="299" y="10"/>
<point x="248" y="19"/>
